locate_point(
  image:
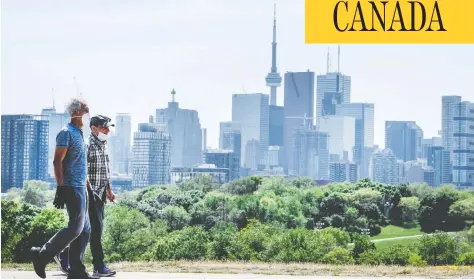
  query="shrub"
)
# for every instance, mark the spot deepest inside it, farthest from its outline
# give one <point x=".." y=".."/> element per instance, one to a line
<point x="221" y="235"/>
<point x="396" y="255"/>
<point x="338" y="256"/>
<point x="189" y="243"/>
<point x="370" y="257"/>
<point x="438" y="249"/>
<point x="415" y="260"/>
<point x="249" y="243"/>
<point x="361" y="245"/>
<point x="466" y="259"/>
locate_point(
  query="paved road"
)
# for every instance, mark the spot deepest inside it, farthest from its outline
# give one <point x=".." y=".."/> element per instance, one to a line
<point x="177" y="276"/>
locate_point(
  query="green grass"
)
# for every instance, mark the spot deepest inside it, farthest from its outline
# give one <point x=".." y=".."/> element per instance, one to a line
<point x="382" y="245"/>
<point x="394" y="231"/>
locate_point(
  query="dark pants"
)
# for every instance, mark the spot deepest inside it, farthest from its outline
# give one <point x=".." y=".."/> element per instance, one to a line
<point x="96" y="217"/>
<point x="77" y="232"/>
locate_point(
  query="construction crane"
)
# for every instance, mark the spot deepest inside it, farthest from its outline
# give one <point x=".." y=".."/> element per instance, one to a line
<point x="304" y="118"/>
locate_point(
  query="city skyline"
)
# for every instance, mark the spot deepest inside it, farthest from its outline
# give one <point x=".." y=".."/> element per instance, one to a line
<point x="40" y="55"/>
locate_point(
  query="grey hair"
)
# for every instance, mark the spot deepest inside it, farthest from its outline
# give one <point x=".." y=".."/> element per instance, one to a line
<point x="76" y="105"/>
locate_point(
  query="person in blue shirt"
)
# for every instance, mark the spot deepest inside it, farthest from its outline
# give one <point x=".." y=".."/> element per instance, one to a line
<point x="70" y="170"/>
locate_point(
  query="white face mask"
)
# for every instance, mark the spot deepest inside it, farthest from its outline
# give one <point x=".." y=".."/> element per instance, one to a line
<point x="102" y="137"/>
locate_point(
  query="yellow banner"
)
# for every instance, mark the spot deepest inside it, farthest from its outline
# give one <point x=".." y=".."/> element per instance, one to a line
<point x="389" y="22"/>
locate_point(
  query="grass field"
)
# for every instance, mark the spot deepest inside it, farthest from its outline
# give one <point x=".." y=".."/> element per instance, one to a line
<point x="394" y="231"/>
<point x="276" y="269"/>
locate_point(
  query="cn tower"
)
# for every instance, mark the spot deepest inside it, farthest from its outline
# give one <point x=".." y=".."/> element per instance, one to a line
<point x="273" y="78"/>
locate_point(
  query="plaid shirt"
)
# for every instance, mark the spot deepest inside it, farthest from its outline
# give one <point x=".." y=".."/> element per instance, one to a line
<point x="98" y="166"/>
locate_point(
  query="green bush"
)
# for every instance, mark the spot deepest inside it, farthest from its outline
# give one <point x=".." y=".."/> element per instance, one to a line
<point x="415" y="260"/>
<point x="438" y="249"/>
<point x="396" y="255"/>
<point x="361" y="244"/>
<point x="466" y="259"/>
<point x="370" y="257"/>
<point x="189" y="243"/>
<point x="338" y="256"/>
<point x="249" y="243"/>
<point x="221" y="236"/>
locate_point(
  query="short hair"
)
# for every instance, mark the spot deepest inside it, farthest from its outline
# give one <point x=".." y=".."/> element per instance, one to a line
<point x="76" y="105"/>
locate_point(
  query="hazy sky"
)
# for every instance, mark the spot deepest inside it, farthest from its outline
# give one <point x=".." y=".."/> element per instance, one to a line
<point x="128" y="55"/>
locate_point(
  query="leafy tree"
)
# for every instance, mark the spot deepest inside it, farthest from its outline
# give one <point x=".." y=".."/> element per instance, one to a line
<point x="438" y="249"/>
<point x="463" y="210"/>
<point x="362" y="244"/>
<point x="338" y="256"/>
<point x="396" y="255"/>
<point x="247" y="185"/>
<point x="189" y="243"/>
<point x="35" y="193"/>
<point x="409" y="207"/>
<point x="249" y="243"/>
<point x="221" y="236"/>
<point x="177" y="217"/>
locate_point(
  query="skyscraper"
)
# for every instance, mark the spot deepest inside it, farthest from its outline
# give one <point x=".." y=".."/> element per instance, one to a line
<point x="273" y="78"/>
<point x="276" y="129"/>
<point x="251" y="111"/>
<point x="332" y="89"/>
<point x="450" y="110"/>
<point x="24" y="149"/>
<point x="151" y="157"/>
<point x="56" y="122"/>
<point x="230" y="138"/>
<point x="364" y="133"/>
<point x="120" y="144"/>
<point x="463" y="159"/>
<point x="442" y="167"/>
<point x="224" y="159"/>
<point x="299" y="107"/>
<point x="310" y="154"/>
<point x="404" y="138"/>
<point x="341" y="131"/>
<point x="384" y="167"/>
<point x="184" y="128"/>
<point x="343" y="172"/>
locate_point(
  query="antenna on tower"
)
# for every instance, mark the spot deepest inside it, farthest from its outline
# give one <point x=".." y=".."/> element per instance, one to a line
<point x="52" y="93"/>
<point x="328" y="62"/>
<point x="338" y="58"/>
<point x="173" y="93"/>
<point x="77" y="87"/>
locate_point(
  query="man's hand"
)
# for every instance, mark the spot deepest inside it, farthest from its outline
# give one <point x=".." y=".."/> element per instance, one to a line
<point x="89" y="186"/>
<point x="110" y="194"/>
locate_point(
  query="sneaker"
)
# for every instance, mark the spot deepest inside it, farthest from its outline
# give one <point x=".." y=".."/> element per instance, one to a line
<point x="37" y="263"/>
<point x="103" y="271"/>
<point x="81" y="275"/>
<point x="62" y="266"/>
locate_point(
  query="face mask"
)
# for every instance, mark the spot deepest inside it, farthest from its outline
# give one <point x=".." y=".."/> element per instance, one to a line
<point x="102" y="137"/>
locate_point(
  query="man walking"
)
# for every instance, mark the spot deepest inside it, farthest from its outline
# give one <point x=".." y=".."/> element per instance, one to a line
<point x="99" y="189"/>
<point x="70" y="169"/>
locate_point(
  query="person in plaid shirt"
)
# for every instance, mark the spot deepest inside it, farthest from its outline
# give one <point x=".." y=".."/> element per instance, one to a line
<point x="99" y="188"/>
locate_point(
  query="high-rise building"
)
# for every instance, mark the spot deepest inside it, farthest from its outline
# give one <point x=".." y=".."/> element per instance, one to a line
<point x="24" y="149"/>
<point x="120" y="144"/>
<point x="430" y="154"/>
<point x="274" y="157"/>
<point x="230" y="137"/>
<point x="252" y="112"/>
<point x="332" y="89"/>
<point x="273" y="78"/>
<point x="184" y="128"/>
<point x="364" y="133"/>
<point x="429" y="142"/>
<point x="276" y="129"/>
<point x="252" y="155"/>
<point x="429" y="176"/>
<point x="224" y="159"/>
<point x="310" y="154"/>
<point x="404" y="138"/>
<point x="151" y="157"/>
<point x="414" y="171"/>
<point x="299" y="107"/>
<point x="442" y="168"/>
<point x="341" y="131"/>
<point x="56" y="122"/>
<point x="457" y="133"/>
<point x="384" y="167"/>
<point x="343" y="172"/>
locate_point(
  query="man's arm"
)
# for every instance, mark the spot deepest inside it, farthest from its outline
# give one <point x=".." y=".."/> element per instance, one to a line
<point x="59" y="155"/>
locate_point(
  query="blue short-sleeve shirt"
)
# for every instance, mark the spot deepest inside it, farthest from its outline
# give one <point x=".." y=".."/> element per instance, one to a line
<point x="75" y="161"/>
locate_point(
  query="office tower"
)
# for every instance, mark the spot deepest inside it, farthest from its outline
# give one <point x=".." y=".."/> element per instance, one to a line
<point x="24" y="149"/>
<point x="332" y="89"/>
<point x="299" y="107"/>
<point x="56" y="122"/>
<point x="429" y="142"/>
<point x="310" y="154"/>
<point x="364" y="133"/>
<point x="184" y="128"/>
<point x="224" y="159"/>
<point x="429" y="176"/>
<point x="402" y="174"/>
<point x="276" y="121"/>
<point x="343" y="172"/>
<point x="204" y="139"/>
<point x="230" y="137"/>
<point x="463" y="159"/>
<point x="252" y="155"/>
<point x="274" y="156"/>
<point x="430" y="154"/>
<point x="457" y="131"/>
<point x="252" y="112"/>
<point x="404" y="138"/>
<point x="384" y="167"/>
<point x="443" y="169"/>
<point x="120" y="144"/>
<point x="414" y="171"/>
<point x="273" y="78"/>
<point x="151" y="157"/>
<point x="450" y="110"/>
<point x="341" y="131"/>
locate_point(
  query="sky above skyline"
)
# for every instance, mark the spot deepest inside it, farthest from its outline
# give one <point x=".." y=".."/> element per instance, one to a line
<point x="127" y="56"/>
